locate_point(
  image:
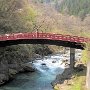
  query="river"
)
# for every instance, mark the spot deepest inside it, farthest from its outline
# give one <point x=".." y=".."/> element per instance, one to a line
<point x="47" y="69"/>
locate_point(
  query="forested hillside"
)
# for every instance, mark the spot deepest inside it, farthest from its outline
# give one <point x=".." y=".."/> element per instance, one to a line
<point x="80" y="8"/>
<point x="54" y="18"/>
<point x="14" y="16"/>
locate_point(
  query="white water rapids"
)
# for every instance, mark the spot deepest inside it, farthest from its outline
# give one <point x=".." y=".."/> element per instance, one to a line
<point x="47" y="69"/>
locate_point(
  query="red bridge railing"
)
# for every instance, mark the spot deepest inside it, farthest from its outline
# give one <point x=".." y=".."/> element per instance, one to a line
<point x="37" y="35"/>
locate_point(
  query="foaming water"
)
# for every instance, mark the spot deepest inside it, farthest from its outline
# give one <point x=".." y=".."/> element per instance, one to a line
<point x="49" y="66"/>
<point x="47" y="69"/>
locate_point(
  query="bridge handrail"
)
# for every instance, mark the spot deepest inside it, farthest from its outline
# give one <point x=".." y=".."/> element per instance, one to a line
<point x="39" y="35"/>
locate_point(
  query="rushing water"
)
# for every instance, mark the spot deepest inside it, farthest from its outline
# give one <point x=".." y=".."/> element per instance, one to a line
<point x="47" y="69"/>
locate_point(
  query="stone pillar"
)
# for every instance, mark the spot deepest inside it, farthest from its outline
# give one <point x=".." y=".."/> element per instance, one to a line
<point x="72" y="57"/>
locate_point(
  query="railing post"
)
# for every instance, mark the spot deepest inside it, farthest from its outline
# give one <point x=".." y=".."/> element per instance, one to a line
<point x="72" y="57"/>
<point x="36" y="33"/>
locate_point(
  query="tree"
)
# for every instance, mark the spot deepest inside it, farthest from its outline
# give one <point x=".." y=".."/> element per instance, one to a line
<point x="76" y="7"/>
<point x="15" y="15"/>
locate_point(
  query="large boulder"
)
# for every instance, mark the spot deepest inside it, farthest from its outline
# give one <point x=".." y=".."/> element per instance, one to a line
<point x="3" y="78"/>
<point x="80" y="67"/>
<point x="66" y="75"/>
<point x="28" y="67"/>
<point x="12" y="72"/>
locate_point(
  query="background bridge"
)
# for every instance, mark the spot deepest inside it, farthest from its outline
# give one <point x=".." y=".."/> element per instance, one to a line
<point x="43" y="38"/>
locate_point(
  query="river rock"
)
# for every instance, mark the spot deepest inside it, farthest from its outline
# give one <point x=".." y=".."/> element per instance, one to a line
<point x="67" y="74"/>
<point x="80" y="67"/>
<point x="53" y="61"/>
<point x="37" y="56"/>
<point x="28" y="67"/>
<point x="3" y="78"/>
<point x="12" y="72"/>
<point x="43" y="64"/>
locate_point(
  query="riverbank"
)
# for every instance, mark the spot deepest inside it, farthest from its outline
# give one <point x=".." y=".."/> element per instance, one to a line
<point x="47" y="69"/>
<point x="10" y="75"/>
<point x="14" y="59"/>
<point x="71" y="80"/>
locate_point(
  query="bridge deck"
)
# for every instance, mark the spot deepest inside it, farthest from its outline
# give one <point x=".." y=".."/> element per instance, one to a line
<point x="46" y="37"/>
<point x="49" y="36"/>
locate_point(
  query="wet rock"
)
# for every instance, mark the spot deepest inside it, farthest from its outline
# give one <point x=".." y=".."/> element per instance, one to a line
<point x="12" y="72"/>
<point x="28" y="67"/>
<point x="37" y="56"/>
<point x="66" y="75"/>
<point x="3" y="78"/>
<point x="53" y="61"/>
<point x="4" y="74"/>
<point x="14" y="66"/>
<point x="80" y="67"/>
<point x="43" y="64"/>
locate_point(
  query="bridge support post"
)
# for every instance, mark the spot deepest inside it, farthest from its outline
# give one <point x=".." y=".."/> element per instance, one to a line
<point x="72" y="57"/>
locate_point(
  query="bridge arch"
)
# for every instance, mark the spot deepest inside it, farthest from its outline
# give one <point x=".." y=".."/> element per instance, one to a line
<point x="43" y="38"/>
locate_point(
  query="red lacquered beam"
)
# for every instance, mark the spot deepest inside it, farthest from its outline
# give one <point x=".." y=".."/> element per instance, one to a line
<point x="37" y="35"/>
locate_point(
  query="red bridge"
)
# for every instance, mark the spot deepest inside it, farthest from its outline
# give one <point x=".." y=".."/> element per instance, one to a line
<point x="43" y="38"/>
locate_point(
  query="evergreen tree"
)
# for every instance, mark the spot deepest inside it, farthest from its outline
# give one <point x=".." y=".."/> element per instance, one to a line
<point x="76" y="7"/>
